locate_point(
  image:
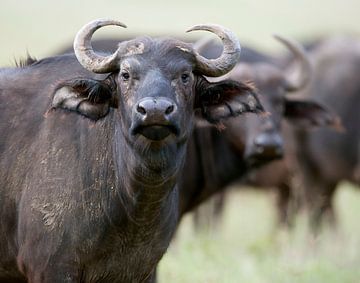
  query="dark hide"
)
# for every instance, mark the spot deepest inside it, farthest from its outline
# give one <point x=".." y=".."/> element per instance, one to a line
<point x="237" y="151"/>
<point x="215" y="159"/>
<point x="286" y="113"/>
<point x="84" y="195"/>
<point x="212" y="163"/>
<point x="328" y="157"/>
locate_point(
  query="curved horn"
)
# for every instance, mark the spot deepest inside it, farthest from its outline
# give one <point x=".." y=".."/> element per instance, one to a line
<point x="304" y="73"/>
<point x="85" y="53"/>
<point x="229" y="57"/>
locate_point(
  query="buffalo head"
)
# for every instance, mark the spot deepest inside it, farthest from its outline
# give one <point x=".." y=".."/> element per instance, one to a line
<point x="156" y="85"/>
<point x="264" y="140"/>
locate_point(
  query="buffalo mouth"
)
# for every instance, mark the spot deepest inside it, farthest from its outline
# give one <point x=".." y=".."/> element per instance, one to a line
<point x="156" y="132"/>
<point x="259" y="159"/>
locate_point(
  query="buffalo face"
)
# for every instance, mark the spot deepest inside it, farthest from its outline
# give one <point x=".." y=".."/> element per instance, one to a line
<point x="155" y="97"/>
<point x="264" y="138"/>
<point x="151" y="89"/>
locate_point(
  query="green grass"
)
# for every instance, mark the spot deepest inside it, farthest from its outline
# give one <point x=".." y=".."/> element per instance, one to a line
<point x="247" y="247"/>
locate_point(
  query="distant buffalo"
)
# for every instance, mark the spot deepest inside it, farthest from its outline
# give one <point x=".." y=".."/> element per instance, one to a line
<point x="260" y="139"/>
<point x="329" y="157"/>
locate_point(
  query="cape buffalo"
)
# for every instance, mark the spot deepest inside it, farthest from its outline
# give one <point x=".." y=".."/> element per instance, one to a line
<point x="327" y="157"/>
<point x="256" y="139"/>
<point x="230" y="151"/>
<point x="91" y="154"/>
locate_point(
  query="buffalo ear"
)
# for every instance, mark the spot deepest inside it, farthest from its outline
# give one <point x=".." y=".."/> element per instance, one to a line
<point x="306" y="113"/>
<point x="224" y="99"/>
<point x="87" y="97"/>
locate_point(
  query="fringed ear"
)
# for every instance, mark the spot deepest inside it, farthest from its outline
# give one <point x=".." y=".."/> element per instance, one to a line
<point x="306" y="113"/>
<point x="224" y="99"/>
<point x="87" y="97"/>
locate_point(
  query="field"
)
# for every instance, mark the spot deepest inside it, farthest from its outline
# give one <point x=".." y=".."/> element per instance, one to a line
<point x="246" y="246"/>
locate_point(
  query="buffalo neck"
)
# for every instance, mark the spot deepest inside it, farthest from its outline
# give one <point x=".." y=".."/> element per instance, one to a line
<point x="148" y="179"/>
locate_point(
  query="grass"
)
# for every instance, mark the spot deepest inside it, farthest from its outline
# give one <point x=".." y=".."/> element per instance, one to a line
<point x="247" y="246"/>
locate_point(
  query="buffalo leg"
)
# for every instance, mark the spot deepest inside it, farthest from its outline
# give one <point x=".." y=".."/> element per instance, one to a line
<point x="285" y="205"/>
<point x="322" y="210"/>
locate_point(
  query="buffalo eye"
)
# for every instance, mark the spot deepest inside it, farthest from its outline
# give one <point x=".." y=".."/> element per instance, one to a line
<point x="125" y="76"/>
<point x="185" y="77"/>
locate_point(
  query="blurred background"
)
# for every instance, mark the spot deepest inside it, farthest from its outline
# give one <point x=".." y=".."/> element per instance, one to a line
<point x="247" y="246"/>
<point x="41" y="27"/>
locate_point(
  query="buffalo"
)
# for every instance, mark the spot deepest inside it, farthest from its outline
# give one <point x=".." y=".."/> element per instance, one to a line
<point x="92" y="148"/>
<point x="242" y="150"/>
<point x="265" y="144"/>
<point x="328" y="157"/>
<point x="216" y="158"/>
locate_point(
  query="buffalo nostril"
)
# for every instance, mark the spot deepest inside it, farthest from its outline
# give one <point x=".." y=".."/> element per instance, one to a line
<point x="141" y="110"/>
<point x="169" y="110"/>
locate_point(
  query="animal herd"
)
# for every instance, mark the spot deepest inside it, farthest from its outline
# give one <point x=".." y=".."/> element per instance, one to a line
<point x="103" y="153"/>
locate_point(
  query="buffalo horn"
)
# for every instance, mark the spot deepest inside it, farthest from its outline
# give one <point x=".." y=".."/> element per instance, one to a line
<point x="85" y="53"/>
<point x="304" y="67"/>
<point x="229" y="57"/>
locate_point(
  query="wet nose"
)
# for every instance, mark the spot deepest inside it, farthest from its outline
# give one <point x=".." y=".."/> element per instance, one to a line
<point x="269" y="145"/>
<point x="156" y="109"/>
